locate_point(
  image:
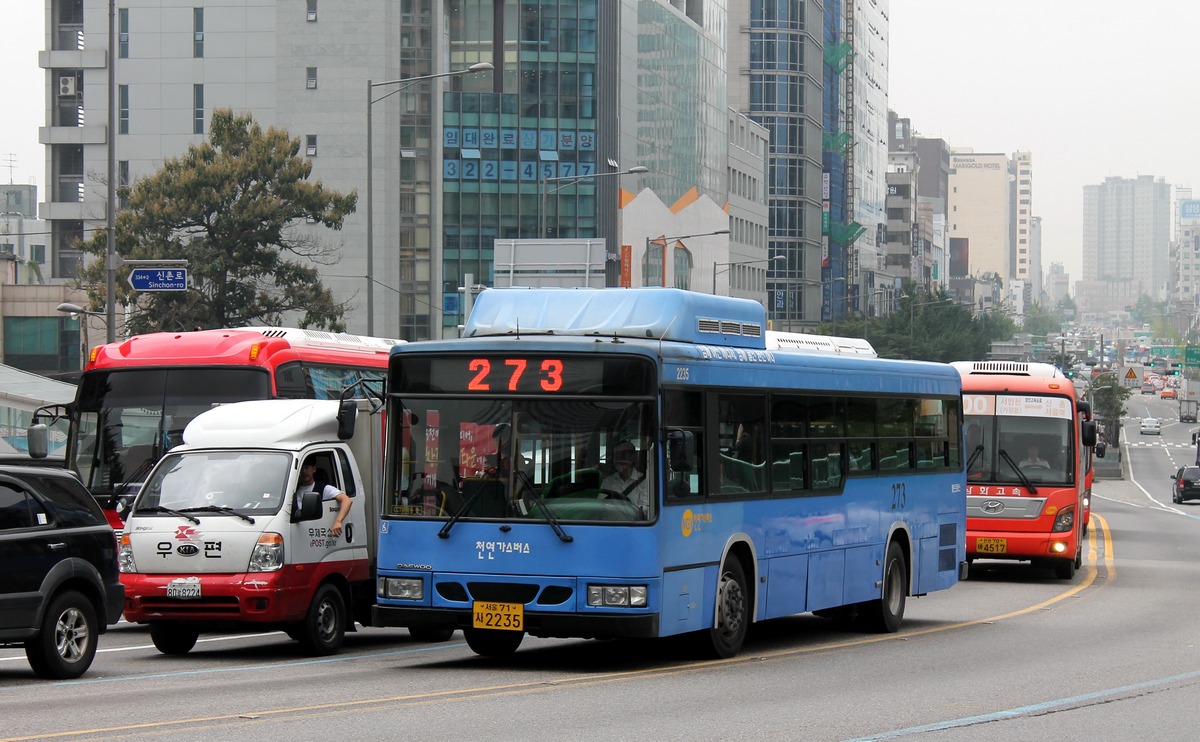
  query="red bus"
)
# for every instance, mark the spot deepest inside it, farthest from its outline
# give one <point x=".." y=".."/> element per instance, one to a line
<point x="1028" y="448"/>
<point x="136" y="396"/>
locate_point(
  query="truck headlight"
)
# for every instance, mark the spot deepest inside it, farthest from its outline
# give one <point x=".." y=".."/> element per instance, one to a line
<point x="268" y="553"/>
<point x="401" y="588"/>
<point x="125" y="560"/>
<point x="617" y="596"/>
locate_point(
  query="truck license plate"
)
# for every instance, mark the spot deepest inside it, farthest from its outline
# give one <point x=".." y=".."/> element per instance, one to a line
<point x="502" y="616"/>
<point x="991" y="546"/>
<point x="188" y="588"/>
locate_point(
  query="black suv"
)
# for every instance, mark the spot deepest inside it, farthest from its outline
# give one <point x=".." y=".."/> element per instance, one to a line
<point x="59" y="584"/>
<point x="1186" y="485"/>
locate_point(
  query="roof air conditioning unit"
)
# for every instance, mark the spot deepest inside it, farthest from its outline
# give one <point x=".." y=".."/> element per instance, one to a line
<point x="66" y="86"/>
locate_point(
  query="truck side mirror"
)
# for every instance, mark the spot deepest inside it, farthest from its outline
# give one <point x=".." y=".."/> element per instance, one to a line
<point x="37" y="438"/>
<point x="346" y="417"/>
<point x="310" y="508"/>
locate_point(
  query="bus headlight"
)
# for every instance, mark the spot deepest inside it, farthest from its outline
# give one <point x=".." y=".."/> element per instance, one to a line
<point x="617" y="596"/>
<point x="1065" y="520"/>
<point x="125" y="560"/>
<point x="268" y="553"/>
<point x="401" y="588"/>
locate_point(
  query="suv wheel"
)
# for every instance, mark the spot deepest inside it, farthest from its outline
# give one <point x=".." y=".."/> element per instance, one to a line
<point x="66" y="640"/>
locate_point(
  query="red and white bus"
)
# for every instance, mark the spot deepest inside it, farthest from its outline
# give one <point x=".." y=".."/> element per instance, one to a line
<point x="1028" y="447"/>
<point x="136" y="396"/>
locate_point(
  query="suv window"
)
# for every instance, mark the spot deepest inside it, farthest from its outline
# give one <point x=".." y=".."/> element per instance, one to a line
<point x="69" y="503"/>
<point x="1191" y="473"/>
<point x="18" y="509"/>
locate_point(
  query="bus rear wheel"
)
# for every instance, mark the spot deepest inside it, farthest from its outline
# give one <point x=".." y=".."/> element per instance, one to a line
<point x="732" y="619"/>
<point x="883" y="616"/>
<point x="493" y="642"/>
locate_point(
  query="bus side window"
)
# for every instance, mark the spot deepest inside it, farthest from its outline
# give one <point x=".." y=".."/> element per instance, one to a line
<point x="683" y="408"/>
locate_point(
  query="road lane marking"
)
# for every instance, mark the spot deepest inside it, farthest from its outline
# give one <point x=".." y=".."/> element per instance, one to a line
<point x="540" y="686"/>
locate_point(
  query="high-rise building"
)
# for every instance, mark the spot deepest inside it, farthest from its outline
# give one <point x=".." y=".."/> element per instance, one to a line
<point x="979" y="210"/>
<point x="580" y="90"/>
<point x="1126" y="234"/>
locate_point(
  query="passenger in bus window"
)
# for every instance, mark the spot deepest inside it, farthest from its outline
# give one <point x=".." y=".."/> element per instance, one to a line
<point x="626" y="482"/>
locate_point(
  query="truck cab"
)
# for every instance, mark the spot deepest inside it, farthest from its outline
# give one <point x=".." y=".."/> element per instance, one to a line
<point x="219" y="536"/>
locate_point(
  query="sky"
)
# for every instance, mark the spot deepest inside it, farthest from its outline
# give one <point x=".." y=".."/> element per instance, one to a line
<point x="1091" y="88"/>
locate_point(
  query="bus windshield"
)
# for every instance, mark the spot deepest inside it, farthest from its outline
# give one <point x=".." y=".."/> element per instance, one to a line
<point x="1003" y="449"/>
<point x="580" y="460"/>
<point x="129" y="418"/>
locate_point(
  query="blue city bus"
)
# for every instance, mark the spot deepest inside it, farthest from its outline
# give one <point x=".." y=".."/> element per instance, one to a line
<point x="603" y="463"/>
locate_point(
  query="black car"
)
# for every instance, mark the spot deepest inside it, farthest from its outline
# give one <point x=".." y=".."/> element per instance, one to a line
<point x="1186" y="484"/>
<point x="59" y="584"/>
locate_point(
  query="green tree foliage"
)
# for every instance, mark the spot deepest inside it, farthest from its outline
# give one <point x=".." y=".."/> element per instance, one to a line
<point x="932" y="328"/>
<point x="1108" y="403"/>
<point x="1039" y="321"/>
<point x="231" y="206"/>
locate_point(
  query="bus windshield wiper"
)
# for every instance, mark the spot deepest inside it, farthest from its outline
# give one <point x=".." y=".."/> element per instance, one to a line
<point x="168" y="511"/>
<point x="1024" y="479"/>
<point x="974" y="456"/>
<point x="218" y="509"/>
<point x="458" y="514"/>
<point x="551" y="518"/>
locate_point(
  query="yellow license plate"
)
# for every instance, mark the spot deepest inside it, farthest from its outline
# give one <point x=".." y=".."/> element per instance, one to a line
<point x="502" y="616"/>
<point x="991" y="546"/>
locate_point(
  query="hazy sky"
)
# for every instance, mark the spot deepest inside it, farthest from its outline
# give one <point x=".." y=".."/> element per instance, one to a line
<point x="1092" y="88"/>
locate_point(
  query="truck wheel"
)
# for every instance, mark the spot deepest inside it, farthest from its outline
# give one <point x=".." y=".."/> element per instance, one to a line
<point x="324" y="627"/>
<point x="493" y="642"/>
<point x="432" y="634"/>
<point x="173" y="638"/>
<point x="66" y="640"/>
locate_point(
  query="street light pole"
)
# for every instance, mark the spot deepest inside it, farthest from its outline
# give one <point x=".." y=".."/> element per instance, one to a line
<point x="666" y="240"/>
<point x="110" y="266"/>
<point x="740" y="262"/>
<point x="571" y="180"/>
<point x="402" y="83"/>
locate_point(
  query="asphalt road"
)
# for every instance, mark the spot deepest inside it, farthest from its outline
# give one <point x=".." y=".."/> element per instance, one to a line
<point x="1010" y="654"/>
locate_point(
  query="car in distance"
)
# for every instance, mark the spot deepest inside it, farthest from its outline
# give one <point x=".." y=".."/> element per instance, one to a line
<point x="1150" y="426"/>
<point x="1148" y="387"/>
<point x="1185" y="484"/>
<point x="1168" y="393"/>
<point x="59" y="583"/>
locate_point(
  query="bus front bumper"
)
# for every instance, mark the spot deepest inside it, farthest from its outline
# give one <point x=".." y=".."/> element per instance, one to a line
<point x="1018" y="545"/>
<point x="537" y="623"/>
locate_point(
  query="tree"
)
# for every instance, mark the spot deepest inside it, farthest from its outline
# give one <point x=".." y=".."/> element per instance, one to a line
<point x="1108" y="404"/>
<point x="1038" y="321"/>
<point x="230" y="206"/>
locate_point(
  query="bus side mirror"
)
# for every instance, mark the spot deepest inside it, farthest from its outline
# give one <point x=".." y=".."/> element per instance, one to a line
<point x="1087" y="430"/>
<point x="310" y="508"/>
<point x="37" y="437"/>
<point x="681" y="450"/>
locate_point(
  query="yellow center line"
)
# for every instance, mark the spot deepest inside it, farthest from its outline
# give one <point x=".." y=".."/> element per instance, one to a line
<point x="585" y="680"/>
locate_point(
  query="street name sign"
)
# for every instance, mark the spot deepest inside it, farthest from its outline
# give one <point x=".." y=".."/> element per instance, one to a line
<point x="158" y="279"/>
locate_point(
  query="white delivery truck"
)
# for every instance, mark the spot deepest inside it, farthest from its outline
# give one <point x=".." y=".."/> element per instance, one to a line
<point x="218" y="536"/>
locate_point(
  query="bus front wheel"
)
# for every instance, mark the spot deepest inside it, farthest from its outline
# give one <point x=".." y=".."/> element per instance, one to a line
<point x="732" y="619"/>
<point x="1064" y="569"/>
<point x="493" y="642"/>
<point x="884" y="615"/>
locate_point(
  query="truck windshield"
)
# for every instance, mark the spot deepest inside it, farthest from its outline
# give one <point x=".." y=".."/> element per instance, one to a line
<point x="248" y="481"/>
<point x="569" y="460"/>
<point x="128" y="418"/>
